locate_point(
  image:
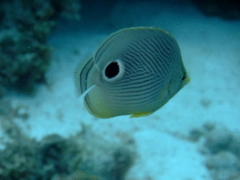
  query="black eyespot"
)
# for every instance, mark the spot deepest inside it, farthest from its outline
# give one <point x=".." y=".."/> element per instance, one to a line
<point x="112" y="70"/>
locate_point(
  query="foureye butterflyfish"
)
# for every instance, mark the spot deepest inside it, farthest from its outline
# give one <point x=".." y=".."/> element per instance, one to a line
<point x="134" y="71"/>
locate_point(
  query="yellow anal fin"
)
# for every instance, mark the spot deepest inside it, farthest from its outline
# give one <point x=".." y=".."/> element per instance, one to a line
<point x="140" y="114"/>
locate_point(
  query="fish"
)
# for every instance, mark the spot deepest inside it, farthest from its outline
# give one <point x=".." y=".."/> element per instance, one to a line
<point x="134" y="71"/>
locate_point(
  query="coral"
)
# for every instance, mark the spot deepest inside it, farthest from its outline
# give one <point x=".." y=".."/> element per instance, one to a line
<point x="79" y="157"/>
<point x="122" y="161"/>
<point x="23" y="61"/>
<point x="222" y="150"/>
<point x="225" y="9"/>
<point x="219" y="139"/>
<point x="24" y="52"/>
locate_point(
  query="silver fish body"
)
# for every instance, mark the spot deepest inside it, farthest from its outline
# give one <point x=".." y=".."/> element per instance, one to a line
<point x="135" y="71"/>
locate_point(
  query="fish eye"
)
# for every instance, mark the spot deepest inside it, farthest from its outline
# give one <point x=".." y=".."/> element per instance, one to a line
<point x="183" y="76"/>
<point x="113" y="70"/>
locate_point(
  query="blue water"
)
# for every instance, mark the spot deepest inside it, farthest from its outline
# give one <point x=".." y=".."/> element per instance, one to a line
<point x="164" y="150"/>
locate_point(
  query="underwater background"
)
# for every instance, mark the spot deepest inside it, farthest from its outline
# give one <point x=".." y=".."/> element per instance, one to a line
<point x="47" y="134"/>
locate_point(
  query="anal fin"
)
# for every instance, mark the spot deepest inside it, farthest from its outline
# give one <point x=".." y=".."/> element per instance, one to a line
<point x="140" y="114"/>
